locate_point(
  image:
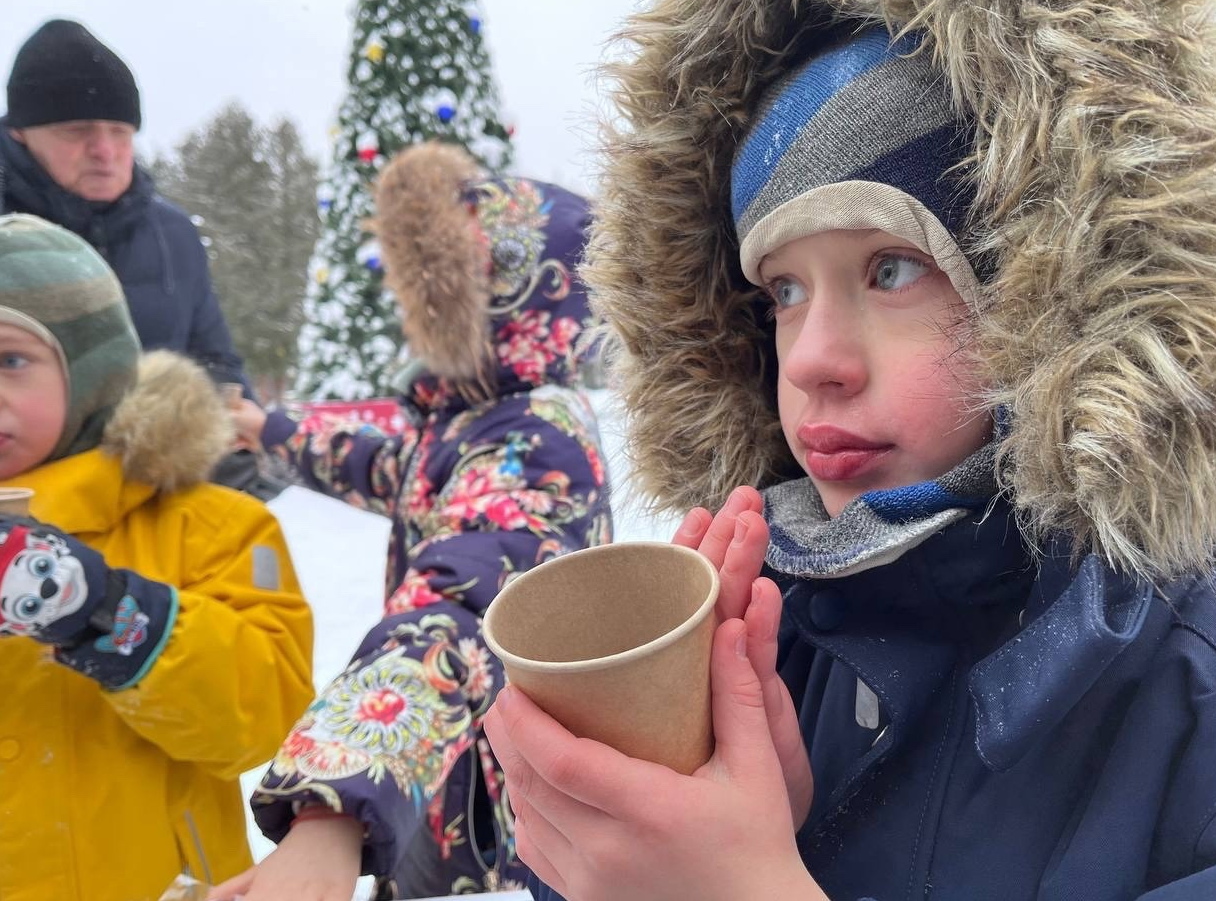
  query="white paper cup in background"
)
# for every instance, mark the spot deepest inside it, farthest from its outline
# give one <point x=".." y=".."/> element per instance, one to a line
<point x="232" y="393"/>
<point x="614" y="643"/>
<point x="15" y="501"/>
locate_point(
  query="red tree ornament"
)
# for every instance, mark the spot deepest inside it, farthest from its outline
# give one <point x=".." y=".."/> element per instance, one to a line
<point x="367" y="147"/>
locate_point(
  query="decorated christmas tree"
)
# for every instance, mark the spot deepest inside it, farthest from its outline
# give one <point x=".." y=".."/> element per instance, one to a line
<point x="418" y="70"/>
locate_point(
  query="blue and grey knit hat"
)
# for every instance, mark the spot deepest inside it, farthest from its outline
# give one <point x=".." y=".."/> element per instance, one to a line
<point x="861" y="136"/>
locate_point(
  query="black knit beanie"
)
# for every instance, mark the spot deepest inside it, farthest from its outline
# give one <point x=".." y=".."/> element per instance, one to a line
<point x="63" y="73"/>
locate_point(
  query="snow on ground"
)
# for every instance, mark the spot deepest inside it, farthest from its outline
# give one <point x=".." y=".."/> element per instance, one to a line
<point x="339" y="553"/>
<point x="631" y="520"/>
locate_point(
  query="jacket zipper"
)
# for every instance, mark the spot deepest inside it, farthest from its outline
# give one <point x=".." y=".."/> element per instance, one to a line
<point x="198" y="847"/>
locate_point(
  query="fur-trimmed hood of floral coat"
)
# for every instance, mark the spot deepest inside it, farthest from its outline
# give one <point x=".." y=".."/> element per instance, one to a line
<point x="485" y="272"/>
<point x="1095" y="168"/>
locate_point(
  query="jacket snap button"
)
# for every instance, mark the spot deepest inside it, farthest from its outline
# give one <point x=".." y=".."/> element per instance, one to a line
<point x="827" y="609"/>
<point x="9" y="749"/>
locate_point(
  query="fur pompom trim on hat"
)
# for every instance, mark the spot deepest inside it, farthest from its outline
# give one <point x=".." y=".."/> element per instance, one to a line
<point x="1095" y="170"/>
<point x="434" y="261"/>
<point x="171" y="429"/>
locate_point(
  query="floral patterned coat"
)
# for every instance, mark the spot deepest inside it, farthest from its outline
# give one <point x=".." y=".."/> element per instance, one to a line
<point x="478" y="492"/>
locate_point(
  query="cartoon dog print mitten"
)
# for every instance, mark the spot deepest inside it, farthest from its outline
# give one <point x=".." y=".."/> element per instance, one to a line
<point x="108" y="624"/>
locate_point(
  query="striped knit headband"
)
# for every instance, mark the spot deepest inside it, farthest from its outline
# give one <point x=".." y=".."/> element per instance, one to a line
<point x="862" y="136"/>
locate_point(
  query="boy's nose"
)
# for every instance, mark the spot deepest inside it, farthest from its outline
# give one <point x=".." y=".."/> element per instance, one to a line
<point x="827" y="352"/>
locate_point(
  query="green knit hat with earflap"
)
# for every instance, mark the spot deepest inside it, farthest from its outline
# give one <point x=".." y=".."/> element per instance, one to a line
<point x="56" y="286"/>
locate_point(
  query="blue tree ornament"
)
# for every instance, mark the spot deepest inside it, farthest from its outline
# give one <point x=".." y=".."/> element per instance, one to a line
<point x="325" y="198"/>
<point x="369" y="255"/>
<point x="445" y="113"/>
<point x="475" y="24"/>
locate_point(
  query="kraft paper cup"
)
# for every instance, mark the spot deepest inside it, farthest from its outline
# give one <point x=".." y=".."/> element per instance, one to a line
<point x="614" y="643"/>
<point x="15" y="501"/>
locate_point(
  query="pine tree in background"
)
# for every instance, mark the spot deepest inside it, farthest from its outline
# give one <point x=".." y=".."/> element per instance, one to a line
<point x="252" y="193"/>
<point x="418" y="70"/>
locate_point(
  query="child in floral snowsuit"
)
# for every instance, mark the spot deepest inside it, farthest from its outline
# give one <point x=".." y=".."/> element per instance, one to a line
<point x="498" y="470"/>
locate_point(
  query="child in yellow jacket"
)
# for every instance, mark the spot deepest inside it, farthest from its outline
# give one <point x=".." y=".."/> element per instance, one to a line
<point x="154" y="642"/>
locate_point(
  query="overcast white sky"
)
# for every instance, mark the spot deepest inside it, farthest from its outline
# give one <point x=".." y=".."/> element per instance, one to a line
<point x="288" y="58"/>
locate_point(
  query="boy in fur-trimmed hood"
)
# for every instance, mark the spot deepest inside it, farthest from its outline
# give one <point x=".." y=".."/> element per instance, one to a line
<point x="154" y="642"/>
<point x="940" y="279"/>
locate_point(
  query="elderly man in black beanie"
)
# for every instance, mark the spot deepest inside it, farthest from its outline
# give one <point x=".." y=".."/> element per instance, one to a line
<point x="66" y="155"/>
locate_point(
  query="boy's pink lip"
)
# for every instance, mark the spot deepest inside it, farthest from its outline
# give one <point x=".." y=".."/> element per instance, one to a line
<point x="823" y="438"/>
<point x="844" y="465"/>
<point x="834" y="454"/>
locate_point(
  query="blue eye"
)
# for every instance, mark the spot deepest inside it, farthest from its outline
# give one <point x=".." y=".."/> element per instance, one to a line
<point x="27" y="606"/>
<point x="786" y="292"/>
<point x="893" y="272"/>
<point x="13" y="361"/>
<point x="42" y="566"/>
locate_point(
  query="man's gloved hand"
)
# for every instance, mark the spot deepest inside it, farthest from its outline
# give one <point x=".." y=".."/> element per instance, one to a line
<point x="107" y="623"/>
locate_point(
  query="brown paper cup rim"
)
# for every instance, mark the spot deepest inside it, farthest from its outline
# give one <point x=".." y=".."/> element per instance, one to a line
<point x="598" y="663"/>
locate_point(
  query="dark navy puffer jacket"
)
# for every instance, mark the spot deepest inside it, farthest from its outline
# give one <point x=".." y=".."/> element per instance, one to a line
<point x="981" y="727"/>
<point x="152" y="247"/>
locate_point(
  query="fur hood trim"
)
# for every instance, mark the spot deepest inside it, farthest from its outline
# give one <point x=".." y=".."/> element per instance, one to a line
<point x="433" y="260"/>
<point x="171" y="429"/>
<point x="1095" y="169"/>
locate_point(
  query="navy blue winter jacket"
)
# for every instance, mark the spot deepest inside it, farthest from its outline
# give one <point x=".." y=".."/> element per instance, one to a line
<point x="150" y="244"/>
<point x="1042" y="732"/>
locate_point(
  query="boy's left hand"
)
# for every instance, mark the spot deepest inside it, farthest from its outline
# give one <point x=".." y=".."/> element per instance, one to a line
<point x="595" y="824"/>
<point x="51" y="584"/>
<point x="734" y="541"/>
<point x="105" y="623"/>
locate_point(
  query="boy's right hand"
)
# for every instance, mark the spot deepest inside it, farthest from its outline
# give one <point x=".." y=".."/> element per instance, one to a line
<point x="735" y="541"/>
<point x="318" y="860"/>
